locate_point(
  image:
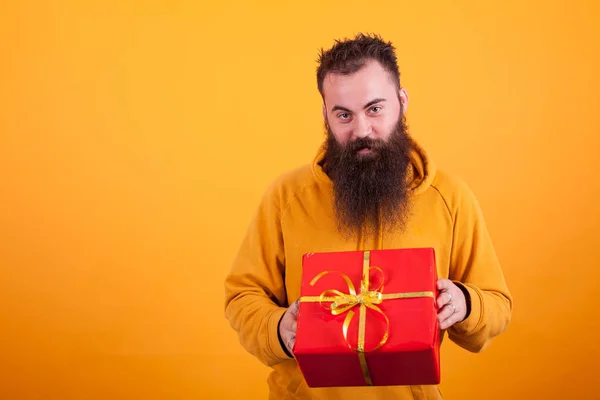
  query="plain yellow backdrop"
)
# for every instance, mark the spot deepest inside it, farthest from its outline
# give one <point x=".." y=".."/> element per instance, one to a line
<point x="137" y="137"/>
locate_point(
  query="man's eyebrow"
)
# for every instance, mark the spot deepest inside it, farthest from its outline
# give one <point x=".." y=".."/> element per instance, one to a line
<point x="375" y="101"/>
<point x="336" y="107"/>
<point x="369" y="104"/>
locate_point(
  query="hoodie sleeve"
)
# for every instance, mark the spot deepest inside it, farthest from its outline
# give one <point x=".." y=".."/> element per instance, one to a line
<point x="475" y="266"/>
<point x="255" y="296"/>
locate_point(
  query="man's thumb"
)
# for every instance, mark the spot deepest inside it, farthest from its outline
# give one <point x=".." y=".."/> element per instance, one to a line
<point x="294" y="308"/>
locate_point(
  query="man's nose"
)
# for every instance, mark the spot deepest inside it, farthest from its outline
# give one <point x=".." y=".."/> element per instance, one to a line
<point x="362" y="128"/>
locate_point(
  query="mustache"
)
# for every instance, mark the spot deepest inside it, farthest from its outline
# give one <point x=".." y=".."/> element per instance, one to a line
<point x="366" y="142"/>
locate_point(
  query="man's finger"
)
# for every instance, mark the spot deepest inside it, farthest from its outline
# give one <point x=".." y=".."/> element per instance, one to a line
<point x="443" y="299"/>
<point x="445" y="313"/>
<point x="444" y="284"/>
<point x="290" y="344"/>
<point x="448" y="322"/>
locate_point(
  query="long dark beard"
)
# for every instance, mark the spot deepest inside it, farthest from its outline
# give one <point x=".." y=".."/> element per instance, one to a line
<point x="370" y="190"/>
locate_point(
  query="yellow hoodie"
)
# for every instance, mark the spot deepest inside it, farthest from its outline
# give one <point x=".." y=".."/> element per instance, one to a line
<point x="296" y="216"/>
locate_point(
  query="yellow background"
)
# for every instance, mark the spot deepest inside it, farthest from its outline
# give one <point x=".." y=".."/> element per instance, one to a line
<point x="136" y="139"/>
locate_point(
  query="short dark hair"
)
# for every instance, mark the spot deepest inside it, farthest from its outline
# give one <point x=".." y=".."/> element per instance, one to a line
<point x="349" y="55"/>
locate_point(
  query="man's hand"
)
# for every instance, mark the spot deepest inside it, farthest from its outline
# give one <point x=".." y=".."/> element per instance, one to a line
<point x="452" y="305"/>
<point x="287" y="327"/>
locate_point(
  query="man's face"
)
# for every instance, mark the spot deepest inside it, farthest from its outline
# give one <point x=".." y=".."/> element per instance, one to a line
<point x="367" y="152"/>
<point x="365" y="104"/>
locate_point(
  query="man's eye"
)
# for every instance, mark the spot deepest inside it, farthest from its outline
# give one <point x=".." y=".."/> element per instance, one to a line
<point x="375" y="109"/>
<point x="343" y="116"/>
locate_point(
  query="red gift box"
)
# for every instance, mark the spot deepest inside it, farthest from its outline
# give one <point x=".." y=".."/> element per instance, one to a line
<point x="368" y="318"/>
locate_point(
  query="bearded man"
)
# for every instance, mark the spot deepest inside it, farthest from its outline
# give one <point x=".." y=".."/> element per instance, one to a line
<point x="370" y="186"/>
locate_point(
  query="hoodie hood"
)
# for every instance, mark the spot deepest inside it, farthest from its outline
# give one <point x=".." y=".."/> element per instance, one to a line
<point x="419" y="177"/>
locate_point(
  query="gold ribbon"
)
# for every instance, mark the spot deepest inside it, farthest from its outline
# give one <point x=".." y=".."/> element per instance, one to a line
<point x="366" y="298"/>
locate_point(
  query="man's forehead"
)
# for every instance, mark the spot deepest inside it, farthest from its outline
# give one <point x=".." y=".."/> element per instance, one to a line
<point x="371" y="81"/>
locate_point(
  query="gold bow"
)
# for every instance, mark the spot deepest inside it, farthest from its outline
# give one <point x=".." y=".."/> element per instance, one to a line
<point x="366" y="298"/>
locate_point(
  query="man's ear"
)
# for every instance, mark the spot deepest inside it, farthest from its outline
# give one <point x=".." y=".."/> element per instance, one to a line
<point x="403" y="95"/>
<point x="325" y="119"/>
